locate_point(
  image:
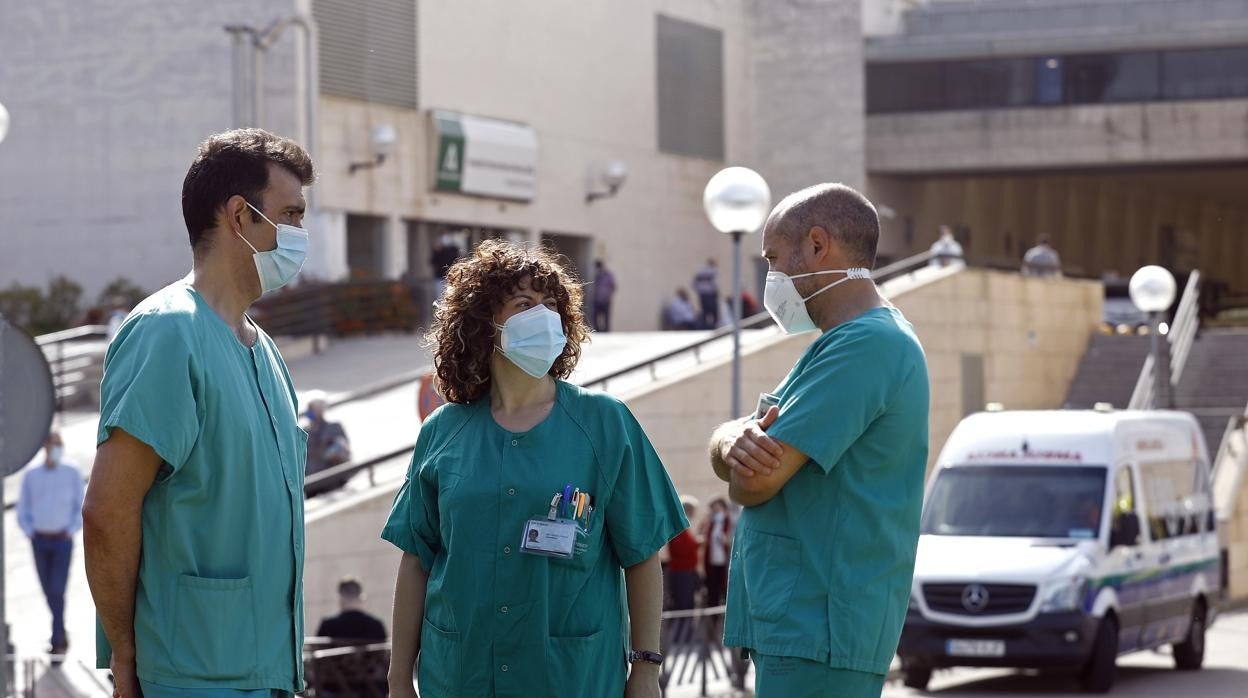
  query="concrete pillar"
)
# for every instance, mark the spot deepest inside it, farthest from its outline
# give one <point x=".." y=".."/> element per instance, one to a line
<point x="327" y="254"/>
<point x="394" y="247"/>
<point x="807" y="91"/>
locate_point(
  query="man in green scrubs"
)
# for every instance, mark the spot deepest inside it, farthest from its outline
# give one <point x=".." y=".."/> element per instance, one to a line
<point x="194" y="514"/>
<point x="831" y="475"/>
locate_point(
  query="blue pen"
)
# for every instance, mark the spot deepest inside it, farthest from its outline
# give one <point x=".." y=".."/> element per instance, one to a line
<point x="567" y="496"/>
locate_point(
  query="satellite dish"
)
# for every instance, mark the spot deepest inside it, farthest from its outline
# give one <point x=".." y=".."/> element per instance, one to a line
<point x="27" y="399"/>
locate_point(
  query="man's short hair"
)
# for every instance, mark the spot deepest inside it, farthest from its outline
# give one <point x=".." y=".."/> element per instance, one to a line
<point x="847" y="215"/>
<point x="350" y="588"/>
<point x="236" y="162"/>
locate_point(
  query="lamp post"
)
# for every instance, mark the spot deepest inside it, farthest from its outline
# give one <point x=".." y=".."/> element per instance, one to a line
<point x="1152" y="290"/>
<point x="737" y="201"/>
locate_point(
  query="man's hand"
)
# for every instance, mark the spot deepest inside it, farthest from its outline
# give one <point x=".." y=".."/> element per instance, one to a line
<point x="643" y="681"/>
<point x="750" y="451"/>
<point x="125" y="679"/>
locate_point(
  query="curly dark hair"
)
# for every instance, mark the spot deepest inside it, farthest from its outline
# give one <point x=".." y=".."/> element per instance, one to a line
<point x="462" y="334"/>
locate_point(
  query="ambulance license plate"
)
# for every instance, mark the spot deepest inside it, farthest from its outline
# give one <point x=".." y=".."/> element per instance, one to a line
<point x="975" y="648"/>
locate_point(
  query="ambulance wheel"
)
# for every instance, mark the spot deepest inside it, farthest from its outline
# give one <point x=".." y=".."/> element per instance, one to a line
<point x="1098" y="673"/>
<point x="915" y="676"/>
<point x="1190" y="654"/>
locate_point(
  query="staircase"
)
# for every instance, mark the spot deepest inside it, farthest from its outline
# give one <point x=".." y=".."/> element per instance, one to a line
<point x="1215" y="383"/>
<point x="1108" y="372"/>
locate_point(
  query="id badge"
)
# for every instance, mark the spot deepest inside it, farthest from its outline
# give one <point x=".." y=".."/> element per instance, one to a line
<point x="765" y="401"/>
<point x="553" y="538"/>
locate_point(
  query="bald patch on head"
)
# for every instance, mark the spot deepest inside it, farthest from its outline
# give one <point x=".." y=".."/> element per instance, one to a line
<point x="848" y="217"/>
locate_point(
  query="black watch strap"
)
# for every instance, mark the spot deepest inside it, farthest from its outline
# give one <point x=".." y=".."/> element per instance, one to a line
<point x="647" y="656"/>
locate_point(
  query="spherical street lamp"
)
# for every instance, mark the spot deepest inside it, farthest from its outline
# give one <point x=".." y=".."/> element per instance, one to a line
<point x="1152" y="290"/>
<point x="737" y="201"/>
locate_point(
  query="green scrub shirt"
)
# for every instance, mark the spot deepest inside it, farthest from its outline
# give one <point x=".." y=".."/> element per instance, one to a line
<point x="822" y="571"/>
<point x="219" y="602"/>
<point x="499" y="622"/>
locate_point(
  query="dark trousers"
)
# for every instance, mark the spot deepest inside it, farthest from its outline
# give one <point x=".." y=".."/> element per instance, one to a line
<point x="684" y="587"/>
<point x="52" y="556"/>
<point x="710" y="310"/>
<point x="602" y="316"/>
<point x="716" y="584"/>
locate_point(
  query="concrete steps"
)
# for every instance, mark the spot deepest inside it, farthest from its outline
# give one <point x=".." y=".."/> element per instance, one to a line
<point x="1108" y="372"/>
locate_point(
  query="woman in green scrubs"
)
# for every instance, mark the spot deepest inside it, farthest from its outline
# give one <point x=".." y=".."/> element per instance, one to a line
<point x="533" y="511"/>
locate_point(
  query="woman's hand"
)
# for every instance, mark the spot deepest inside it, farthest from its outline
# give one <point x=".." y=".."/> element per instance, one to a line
<point x="643" y="681"/>
<point x="401" y="688"/>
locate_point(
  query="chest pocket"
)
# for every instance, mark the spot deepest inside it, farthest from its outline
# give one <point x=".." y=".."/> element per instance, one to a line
<point x="588" y="546"/>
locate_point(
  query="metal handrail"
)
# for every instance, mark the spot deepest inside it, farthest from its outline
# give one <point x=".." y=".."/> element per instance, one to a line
<point x="756" y="321"/>
<point x="71" y="334"/>
<point x="1142" y="397"/>
<point x="1186" y="323"/>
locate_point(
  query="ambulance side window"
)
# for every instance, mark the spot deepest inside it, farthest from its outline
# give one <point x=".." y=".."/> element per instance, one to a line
<point x="1126" y="521"/>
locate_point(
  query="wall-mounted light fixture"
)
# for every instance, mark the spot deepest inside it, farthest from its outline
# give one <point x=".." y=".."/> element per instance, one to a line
<point x="612" y="177"/>
<point x="382" y="141"/>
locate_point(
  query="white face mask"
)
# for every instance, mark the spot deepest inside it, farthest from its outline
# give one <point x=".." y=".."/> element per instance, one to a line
<point x="788" y="307"/>
<point x="55" y="454"/>
<point x="533" y="340"/>
<point x="278" y="266"/>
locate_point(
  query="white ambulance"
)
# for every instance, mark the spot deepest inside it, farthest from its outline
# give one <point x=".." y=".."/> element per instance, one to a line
<point x="1062" y="539"/>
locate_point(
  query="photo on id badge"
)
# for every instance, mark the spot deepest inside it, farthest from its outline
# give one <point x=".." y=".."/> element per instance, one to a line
<point x="561" y="532"/>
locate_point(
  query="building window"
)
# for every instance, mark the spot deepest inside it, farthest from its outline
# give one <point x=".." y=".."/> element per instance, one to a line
<point x="1205" y="73"/>
<point x="997" y="83"/>
<point x="690" y="83"/>
<point x="1122" y="77"/>
<point x="368" y="49"/>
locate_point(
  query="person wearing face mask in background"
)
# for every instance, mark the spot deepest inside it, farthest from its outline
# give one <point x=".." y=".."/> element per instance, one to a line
<point x="193" y="520"/>
<point x="526" y="498"/>
<point x="830" y="468"/>
<point x="49" y="512"/>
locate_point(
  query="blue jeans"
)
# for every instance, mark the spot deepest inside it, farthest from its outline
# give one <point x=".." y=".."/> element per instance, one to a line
<point x="52" y="556"/>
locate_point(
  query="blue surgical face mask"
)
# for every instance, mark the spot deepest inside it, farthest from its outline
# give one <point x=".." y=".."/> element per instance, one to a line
<point x="278" y="266"/>
<point x="533" y="340"/>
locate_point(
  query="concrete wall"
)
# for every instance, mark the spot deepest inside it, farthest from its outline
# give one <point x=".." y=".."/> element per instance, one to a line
<point x="109" y="102"/>
<point x="583" y="76"/>
<point x="342" y="541"/>
<point x="1031" y="333"/>
<point x="1057" y="137"/>
<point x="1238" y="560"/>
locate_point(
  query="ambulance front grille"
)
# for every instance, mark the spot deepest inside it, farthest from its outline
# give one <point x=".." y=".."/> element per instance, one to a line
<point x="974" y="599"/>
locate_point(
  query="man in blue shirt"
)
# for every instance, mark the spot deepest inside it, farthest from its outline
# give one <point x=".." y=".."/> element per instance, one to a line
<point x="831" y="474"/>
<point x="49" y="512"/>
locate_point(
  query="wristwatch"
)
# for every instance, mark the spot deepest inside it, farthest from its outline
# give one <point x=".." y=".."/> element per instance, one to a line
<point x="645" y="656"/>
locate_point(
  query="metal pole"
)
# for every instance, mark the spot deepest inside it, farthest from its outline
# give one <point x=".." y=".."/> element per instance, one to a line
<point x="736" y="324"/>
<point x="257" y="82"/>
<point x="4" y="619"/>
<point x="1159" y="375"/>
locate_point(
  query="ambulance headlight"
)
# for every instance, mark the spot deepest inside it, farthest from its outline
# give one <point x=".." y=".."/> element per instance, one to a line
<point x="1063" y="595"/>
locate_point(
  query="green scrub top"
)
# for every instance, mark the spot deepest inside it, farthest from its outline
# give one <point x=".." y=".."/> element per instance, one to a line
<point x="219" y="601"/>
<point x="499" y="622"/>
<point x="822" y="570"/>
